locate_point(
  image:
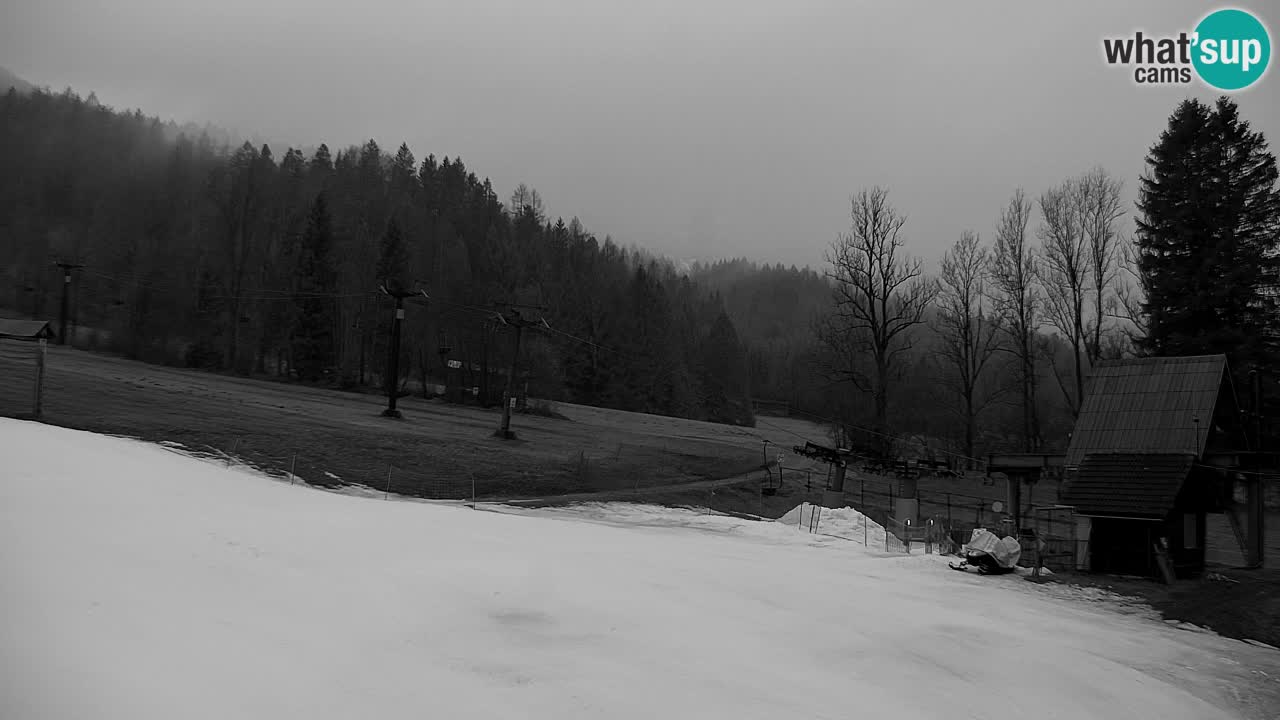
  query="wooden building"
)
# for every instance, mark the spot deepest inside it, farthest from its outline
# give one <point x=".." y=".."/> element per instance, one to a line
<point x="1140" y="468"/>
<point x="32" y="331"/>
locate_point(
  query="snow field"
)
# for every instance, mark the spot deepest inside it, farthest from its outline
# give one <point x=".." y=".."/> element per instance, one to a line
<point x="138" y="583"/>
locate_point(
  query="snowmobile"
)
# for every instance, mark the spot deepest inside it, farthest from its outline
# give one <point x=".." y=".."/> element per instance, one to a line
<point x="988" y="554"/>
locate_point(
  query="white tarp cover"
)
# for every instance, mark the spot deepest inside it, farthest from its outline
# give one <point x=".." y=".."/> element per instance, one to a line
<point x="1006" y="551"/>
<point x="982" y="541"/>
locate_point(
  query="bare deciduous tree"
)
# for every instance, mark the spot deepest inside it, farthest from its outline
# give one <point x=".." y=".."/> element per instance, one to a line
<point x="969" y="336"/>
<point x="1081" y="248"/>
<point x="1064" y="272"/>
<point x="1017" y="303"/>
<point x="880" y="294"/>
<point x="526" y="199"/>
<point x="1126" y="306"/>
<point x="1101" y="212"/>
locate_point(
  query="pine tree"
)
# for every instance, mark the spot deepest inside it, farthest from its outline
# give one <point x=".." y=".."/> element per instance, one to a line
<point x="393" y="259"/>
<point x="1207" y="239"/>
<point x="313" y="337"/>
<point x="1208" y="247"/>
<point x="724" y="375"/>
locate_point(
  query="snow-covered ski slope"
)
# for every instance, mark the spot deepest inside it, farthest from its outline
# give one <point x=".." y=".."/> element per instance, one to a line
<point x="138" y="583"/>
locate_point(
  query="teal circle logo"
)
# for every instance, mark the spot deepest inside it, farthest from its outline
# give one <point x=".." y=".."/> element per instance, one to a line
<point x="1232" y="49"/>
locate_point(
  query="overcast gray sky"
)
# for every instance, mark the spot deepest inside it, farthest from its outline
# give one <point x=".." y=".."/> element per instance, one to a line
<point x="694" y="128"/>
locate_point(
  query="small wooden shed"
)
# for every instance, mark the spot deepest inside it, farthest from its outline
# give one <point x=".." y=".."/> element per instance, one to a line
<point x="32" y="330"/>
<point x="36" y="331"/>
<point x="1135" y="470"/>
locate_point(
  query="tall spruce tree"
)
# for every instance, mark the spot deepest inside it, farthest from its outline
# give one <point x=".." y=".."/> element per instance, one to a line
<point x="724" y="375"/>
<point x="393" y="259"/>
<point x="1209" y="242"/>
<point x="313" y="336"/>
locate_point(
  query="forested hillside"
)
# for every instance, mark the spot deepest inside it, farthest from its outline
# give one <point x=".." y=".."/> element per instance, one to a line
<point x="780" y="311"/>
<point x="256" y="260"/>
<point x="775" y="310"/>
<point x="182" y="250"/>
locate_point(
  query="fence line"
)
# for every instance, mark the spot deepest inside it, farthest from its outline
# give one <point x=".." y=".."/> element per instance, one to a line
<point x="943" y="523"/>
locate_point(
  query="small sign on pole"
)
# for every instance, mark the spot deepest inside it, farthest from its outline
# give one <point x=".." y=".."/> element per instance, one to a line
<point x="40" y="361"/>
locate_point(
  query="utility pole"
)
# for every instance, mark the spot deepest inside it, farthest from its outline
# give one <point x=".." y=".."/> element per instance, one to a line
<point x="66" y="286"/>
<point x="393" y="358"/>
<point x="1255" y="379"/>
<point x="514" y="319"/>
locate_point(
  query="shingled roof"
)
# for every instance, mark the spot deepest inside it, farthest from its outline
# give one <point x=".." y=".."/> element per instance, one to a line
<point x="1148" y="405"/>
<point x="1127" y="484"/>
<point x="24" y="329"/>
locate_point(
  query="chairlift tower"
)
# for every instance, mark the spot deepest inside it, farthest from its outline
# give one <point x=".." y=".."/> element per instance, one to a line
<point x="833" y="496"/>
<point x="518" y="322"/>
<point x="393" y="358"/>
<point x="66" y="286"/>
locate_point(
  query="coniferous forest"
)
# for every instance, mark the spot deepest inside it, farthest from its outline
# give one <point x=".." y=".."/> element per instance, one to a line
<point x="251" y="260"/>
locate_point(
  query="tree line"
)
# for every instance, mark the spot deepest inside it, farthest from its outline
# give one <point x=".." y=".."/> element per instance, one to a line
<point x="240" y="260"/>
<point x="200" y="254"/>
<point x="1063" y="286"/>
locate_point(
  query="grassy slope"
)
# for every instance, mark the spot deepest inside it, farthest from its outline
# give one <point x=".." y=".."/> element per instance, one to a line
<point x="435" y="450"/>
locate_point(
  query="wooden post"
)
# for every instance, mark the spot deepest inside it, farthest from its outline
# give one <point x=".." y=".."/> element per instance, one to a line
<point x="508" y="395"/>
<point x="387" y="494"/>
<point x="1075" y="564"/>
<point x="293" y="461"/>
<point x="392" y="381"/>
<point x="44" y="348"/>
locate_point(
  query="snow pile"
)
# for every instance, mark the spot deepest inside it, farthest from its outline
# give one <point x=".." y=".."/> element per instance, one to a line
<point x="846" y="522"/>
<point x="138" y="583"/>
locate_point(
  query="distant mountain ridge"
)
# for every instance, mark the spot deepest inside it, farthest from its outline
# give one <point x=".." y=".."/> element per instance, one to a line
<point x="9" y="80"/>
<point x="219" y="136"/>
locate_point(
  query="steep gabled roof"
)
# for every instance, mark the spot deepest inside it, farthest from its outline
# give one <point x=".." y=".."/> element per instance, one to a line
<point x="24" y="329"/>
<point x="1148" y="405"/>
<point x="1127" y="484"/>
